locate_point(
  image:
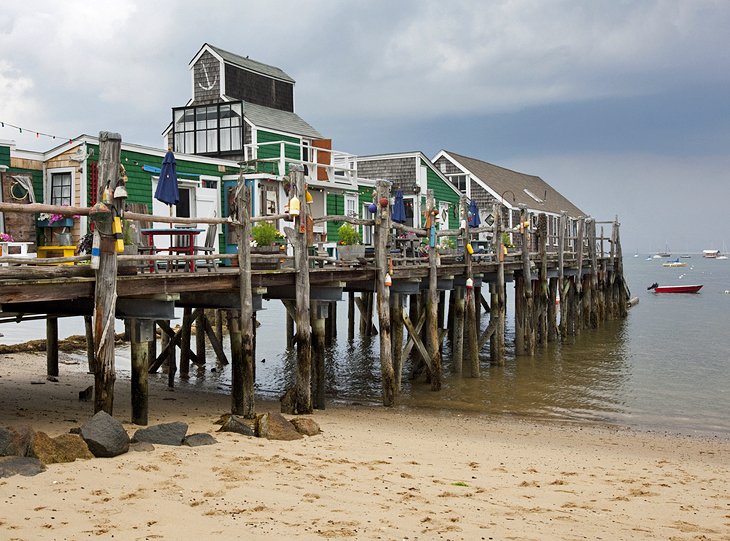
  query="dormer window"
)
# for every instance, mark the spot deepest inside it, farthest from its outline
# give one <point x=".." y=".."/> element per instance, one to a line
<point x="208" y="129"/>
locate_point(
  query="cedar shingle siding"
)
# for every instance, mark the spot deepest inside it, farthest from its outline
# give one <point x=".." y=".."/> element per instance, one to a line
<point x="451" y="169"/>
<point x="400" y="171"/>
<point x="201" y="94"/>
<point x="259" y="89"/>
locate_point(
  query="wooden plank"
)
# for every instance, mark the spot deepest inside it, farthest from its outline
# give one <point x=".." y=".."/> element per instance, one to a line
<point x="414" y="336"/>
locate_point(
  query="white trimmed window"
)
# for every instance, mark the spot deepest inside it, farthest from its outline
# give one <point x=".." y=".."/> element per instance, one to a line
<point x="351" y="206"/>
<point x="59" y="187"/>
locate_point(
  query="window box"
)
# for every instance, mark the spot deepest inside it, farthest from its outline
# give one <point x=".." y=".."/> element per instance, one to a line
<point x="63" y="222"/>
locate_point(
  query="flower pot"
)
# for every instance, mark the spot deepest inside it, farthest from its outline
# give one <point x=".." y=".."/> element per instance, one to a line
<point x="350" y="252"/>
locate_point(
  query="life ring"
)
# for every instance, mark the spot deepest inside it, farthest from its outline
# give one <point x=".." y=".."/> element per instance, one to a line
<point x="16" y="185"/>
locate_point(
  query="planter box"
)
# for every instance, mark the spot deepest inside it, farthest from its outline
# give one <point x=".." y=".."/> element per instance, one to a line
<point x="350" y="252"/>
<point x="269" y="264"/>
<point x="63" y="222"/>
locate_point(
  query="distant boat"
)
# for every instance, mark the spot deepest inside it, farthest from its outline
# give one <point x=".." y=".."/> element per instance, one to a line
<point x="710" y="254"/>
<point x="675" y="263"/>
<point x="721" y="257"/>
<point x="665" y="253"/>
<point x="685" y="256"/>
<point x="675" y="289"/>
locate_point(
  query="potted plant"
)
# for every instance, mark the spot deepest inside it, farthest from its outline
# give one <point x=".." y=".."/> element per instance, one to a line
<point x="349" y="247"/>
<point x="447" y="246"/>
<point x="265" y="238"/>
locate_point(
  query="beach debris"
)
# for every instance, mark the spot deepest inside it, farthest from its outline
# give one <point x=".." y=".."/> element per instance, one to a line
<point x="105" y="436"/>
<point x="239" y="425"/>
<point x="274" y="426"/>
<point x="52" y="379"/>
<point x="20" y="465"/>
<point x="162" y="434"/>
<point x="306" y="426"/>
<point x="196" y="440"/>
<point x="63" y="448"/>
<point x="86" y="394"/>
<point x="15" y="442"/>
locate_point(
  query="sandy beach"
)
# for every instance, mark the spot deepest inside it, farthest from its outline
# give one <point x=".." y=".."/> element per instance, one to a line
<point x="372" y="474"/>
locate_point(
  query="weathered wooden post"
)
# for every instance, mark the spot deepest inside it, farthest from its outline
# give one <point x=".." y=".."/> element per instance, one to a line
<point x="594" y="302"/>
<point x="396" y="323"/>
<point x="200" y="337"/>
<point x="382" y="281"/>
<point x="527" y="297"/>
<point x="500" y="287"/>
<point x="89" y="343"/>
<point x="623" y="293"/>
<point x="105" y="291"/>
<point x="51" y="347"/>
<point x="434" y="348"/>
<point x="243" y="384"/>
<point x="141" y="333"/>
<point x="542" y="286"/>
<point x="300" y="399"/>
<point x="457" y="340"/>
<point x="351" y="315"/>
<point x="562" y="285"/>
<point x="577" y="305"/>
<point x="318" y="359"/>
<point x="471" y="349"/>
<point x="185" y="342"/>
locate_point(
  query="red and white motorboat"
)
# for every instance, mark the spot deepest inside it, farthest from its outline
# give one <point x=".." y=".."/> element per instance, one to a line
<point x="694" y="288"/>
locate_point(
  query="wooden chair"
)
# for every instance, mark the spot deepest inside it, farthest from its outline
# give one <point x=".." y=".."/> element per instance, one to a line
<point x="211" y="241"/>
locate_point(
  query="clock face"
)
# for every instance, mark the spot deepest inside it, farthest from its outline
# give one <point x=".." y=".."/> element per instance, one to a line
<point x="208" y="77"/>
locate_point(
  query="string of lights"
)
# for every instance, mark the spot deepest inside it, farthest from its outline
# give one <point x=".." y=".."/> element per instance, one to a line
<point x="38" y="134"/>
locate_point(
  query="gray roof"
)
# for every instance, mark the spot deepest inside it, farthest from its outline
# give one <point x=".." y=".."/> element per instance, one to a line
<point x="251" y="65"/>
<point x="499" y="180"/>
<point x="276" y="119"/>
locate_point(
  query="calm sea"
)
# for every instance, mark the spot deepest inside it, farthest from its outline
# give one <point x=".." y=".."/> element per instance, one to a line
<point x="665" y="368"/>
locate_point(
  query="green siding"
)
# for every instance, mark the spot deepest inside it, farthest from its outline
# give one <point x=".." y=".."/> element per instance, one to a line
<point x="442" y="192"/>
<point x="139" y="184"/>
<point x="292" y="151"/>
<point x="336" y="207"/>
<point x="5" y="155"/>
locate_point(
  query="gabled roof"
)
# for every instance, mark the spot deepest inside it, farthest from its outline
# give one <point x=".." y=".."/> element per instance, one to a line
<point x="246" y="63"/>
<point x="276" y="119"/>
<point x="499" y="180"/>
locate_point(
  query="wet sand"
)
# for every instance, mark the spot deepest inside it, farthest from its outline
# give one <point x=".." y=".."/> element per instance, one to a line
<point x="373" y="473"/>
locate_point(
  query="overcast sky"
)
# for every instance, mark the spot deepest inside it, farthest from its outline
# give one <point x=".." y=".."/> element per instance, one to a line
<point x="624" y="107"/>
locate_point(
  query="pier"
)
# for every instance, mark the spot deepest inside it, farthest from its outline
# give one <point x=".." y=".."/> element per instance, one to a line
<point x="564" y="283"/>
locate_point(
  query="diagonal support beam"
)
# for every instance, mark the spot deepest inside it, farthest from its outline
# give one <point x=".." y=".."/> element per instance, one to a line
<point x="414" y="335"/>
<point x="488" y="332"/>
<point x="417" y="329"/>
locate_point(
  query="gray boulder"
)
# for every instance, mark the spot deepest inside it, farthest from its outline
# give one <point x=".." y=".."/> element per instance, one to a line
<point x="164" y="434"/>
<point x="15" y="442"/>
<point x="274" y="426"/>
<point x="141" y="447"/>
<point x="20" y="465"/>
<point x="196" y="440"/>
<point x="239" y="425"/>
<point x="105" y="436"/>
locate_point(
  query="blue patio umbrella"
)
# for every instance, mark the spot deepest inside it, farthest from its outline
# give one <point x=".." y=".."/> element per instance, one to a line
<point x="167" y="191"/>
<point x="474" y="220"/>
<point x="398" y="214"/>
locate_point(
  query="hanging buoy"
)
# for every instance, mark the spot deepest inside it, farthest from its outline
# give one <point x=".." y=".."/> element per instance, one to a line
<point x="463" y="224"/>
<point x="387" y="280"/>
<point x="309" y="197"/>
<point x="95" y="250"/>
<point x="469" y="248"/>
<point x="118" y="236"/>
<point x="383" y="202"/>
<point x="294" y="206"/>
<point x="372" y="208"/>
<point x="469" y="283"/>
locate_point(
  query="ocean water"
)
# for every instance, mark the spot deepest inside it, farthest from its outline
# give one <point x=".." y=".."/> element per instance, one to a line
<point x="664" y="368"/>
